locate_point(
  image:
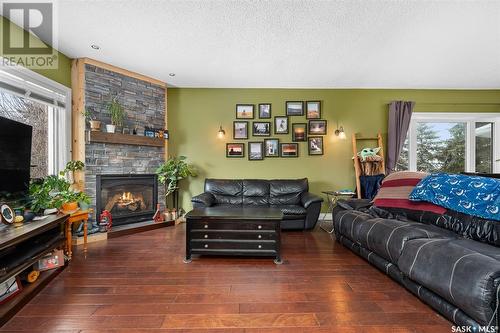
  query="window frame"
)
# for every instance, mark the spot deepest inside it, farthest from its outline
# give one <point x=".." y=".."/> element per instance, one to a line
<point x="59" y="117"/>
<point x="469" y="118"/>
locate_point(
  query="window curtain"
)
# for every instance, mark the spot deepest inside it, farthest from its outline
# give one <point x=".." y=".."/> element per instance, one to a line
<point x="399" y="122"/>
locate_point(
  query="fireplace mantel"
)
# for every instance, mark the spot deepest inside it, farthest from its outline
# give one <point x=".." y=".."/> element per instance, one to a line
<point x="126" y="139"/>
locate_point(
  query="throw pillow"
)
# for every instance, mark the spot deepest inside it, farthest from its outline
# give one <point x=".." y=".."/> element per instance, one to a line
<point x="395" y="191"/>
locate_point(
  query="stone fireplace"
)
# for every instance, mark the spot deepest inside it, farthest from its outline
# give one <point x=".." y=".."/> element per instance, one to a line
<point x="119" y="175"/>
<point x="129" y="198"/>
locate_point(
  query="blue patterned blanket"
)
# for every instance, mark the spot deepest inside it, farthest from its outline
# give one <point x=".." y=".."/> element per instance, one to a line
<point x="473" y="195"/>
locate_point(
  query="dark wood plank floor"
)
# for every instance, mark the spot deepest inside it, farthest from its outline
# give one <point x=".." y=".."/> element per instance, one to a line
<point x="138" y="283"/>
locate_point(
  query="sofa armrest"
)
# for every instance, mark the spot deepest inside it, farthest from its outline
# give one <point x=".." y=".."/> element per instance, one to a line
<point x="354" y="204"/>
<point x="308" y="198"/>
<point x="205" y="199"/>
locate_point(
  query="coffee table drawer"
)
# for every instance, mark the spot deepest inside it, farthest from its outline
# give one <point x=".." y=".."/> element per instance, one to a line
<point x="234" y="244"/>
<point x="234" y="225"/>
<point x="226" y="234"/>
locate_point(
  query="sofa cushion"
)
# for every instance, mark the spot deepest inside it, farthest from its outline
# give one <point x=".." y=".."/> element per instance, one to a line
<point x="255" y="192"/>
<point x="385" y="237"/>
<point x="287" y="191"/>
<point x="297" y="210"/>
<point x="464" y="272"/>
<point x="225" y="191"/>
<point x="396" y="189"/>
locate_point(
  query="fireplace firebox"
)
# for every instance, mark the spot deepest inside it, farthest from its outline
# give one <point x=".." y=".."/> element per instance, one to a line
<point x="129" y="198"/>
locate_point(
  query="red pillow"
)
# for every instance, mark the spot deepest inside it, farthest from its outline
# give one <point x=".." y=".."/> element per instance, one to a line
<point x="396" y="189"/>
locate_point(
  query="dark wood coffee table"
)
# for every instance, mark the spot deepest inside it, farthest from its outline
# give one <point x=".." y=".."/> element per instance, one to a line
<point x="234" y="231"/>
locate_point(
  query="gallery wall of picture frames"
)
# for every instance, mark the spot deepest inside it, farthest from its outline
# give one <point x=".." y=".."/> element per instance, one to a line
<point x="256" y="121"/>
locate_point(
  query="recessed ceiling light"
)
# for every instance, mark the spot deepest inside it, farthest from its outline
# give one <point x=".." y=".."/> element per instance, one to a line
<point x="95" y="47"/>
<point x="171" y="74"/>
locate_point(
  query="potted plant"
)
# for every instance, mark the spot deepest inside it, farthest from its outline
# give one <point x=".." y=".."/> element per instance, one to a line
<point x="69" y="170"/>
<point x="171" y="172"/>
<point x="117" y="115"/>
<point x="68" y="200"/>
<point x="43" y="192"/>
<point x="54" y="193"/>
<point x="95" y="125"/>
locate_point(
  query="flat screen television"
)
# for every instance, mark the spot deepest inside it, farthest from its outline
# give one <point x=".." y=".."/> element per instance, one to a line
<point x="15" y="156"/>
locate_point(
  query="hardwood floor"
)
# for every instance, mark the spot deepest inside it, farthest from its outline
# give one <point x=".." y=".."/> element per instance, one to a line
<point x="138" y="283"/>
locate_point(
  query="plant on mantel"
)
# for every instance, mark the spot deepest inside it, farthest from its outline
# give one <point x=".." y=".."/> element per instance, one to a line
<point x="95" y="125"/>
<point x="117" y="115"/>
<point x="171" y="173"/>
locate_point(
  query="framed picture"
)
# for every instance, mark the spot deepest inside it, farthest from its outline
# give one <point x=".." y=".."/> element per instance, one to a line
<point x="281" y="125"/>
<point x="294" y="108"/>
<point x="255" y="151"/>
<point x="313" y="109"/>
<point x="240" y="130"/>
<point x="261" y="128"/>
<point x="271" y="148"/>
<point x="315" y="145"/>
<point x="289" y="149"/>
<point x="299" y="132"/>
<point x="235" y="150"/>
<point x="317" y="127"/>
<point x="244" y="111"/>
<point x="7" y="214"/>
<point x="265" y="111"/>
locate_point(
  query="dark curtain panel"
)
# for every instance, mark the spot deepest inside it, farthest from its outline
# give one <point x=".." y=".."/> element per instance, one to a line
<point x="399" y="121"/>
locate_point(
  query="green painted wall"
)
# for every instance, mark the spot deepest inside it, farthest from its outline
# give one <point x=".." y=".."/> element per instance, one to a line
<point x="62" y="74"/>
<point x="194" y="116"/>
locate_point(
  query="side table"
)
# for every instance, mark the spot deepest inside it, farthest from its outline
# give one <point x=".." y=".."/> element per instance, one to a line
<point x="78" y="216"/>
<point x="332" y="197"/>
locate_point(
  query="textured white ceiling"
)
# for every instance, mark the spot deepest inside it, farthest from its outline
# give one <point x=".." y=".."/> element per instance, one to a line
<point x="301" y="44"/>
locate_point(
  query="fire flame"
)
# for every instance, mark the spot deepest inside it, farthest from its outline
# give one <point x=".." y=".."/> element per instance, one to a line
<point x="127" y="197"/>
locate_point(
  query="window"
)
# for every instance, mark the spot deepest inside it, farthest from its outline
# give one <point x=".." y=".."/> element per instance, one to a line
<point x="30" y="98"/>
<point x="451" y="142"/>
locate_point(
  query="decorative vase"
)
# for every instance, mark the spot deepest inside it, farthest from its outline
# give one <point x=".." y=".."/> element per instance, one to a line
<point x="70" y="177"/>
<point x="69" y="206"/>
<point x="110" y="128"/>
<point x="83" y="205"/>
<point x="95" y="125"/>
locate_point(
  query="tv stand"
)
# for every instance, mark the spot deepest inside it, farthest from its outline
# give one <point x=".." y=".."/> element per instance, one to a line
<point x="22" y="247"/>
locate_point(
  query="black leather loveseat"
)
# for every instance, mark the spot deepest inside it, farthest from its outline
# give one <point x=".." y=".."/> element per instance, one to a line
<point x="449" y="260"/>
<point x="300" y="208"/>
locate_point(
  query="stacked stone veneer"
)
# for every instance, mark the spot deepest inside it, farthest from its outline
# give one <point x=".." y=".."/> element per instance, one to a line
<point x="144" y="105"/>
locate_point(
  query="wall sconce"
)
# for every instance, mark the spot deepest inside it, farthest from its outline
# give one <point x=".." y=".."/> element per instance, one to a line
<point x="221" y="133"/>
<point x="340" y="133"/>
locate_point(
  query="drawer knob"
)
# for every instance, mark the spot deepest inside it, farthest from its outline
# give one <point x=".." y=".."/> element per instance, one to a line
<point x="259" y="237"/>
<point x="206" y="246"/>
<point x="260" y="246"/>
<point x="259" y="227"/>
<point x="206" y="236"/>
<point x="205" y="226"/>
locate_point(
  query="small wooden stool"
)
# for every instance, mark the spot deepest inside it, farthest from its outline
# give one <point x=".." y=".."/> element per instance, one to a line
<point x="78" y="216"/>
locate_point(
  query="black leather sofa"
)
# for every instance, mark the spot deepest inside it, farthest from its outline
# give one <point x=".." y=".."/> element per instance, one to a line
<point x="300" y="208"/>
<point x="449" y="261"/>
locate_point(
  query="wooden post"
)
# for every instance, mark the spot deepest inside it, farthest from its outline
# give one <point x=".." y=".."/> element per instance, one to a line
<point x="166" y="125"/>
<point x="78" y="119"/>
